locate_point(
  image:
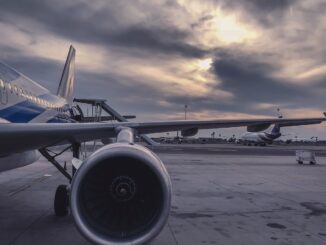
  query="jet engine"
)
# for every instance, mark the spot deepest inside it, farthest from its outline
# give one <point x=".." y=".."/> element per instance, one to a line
<point x="121" y="194"/>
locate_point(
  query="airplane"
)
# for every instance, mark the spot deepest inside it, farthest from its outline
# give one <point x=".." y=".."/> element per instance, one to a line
<point x="119" y="194"/>
<point x="261" y="138"/>
<point x="264" y="138"/>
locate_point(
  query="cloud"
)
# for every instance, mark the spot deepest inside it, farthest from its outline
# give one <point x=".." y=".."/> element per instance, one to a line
<point x="111" y="25"/>
<point x="221" y="57"/>
<point x="266" y="13"/>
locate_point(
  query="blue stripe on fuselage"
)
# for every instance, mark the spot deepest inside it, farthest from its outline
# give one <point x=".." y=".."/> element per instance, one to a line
<point x="26" y="110"/>
<point x="22" y="112"/>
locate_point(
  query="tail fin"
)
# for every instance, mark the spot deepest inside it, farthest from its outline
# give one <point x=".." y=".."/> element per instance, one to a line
<point x="66" y="85"/>
<point x="276" y="130"/>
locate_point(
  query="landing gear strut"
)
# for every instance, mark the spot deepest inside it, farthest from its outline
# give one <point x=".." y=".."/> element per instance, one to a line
<point x="61" y="198"/>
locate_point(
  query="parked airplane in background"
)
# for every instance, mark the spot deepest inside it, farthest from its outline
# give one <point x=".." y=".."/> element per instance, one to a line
<point x="262" y="138"/>
<point x="121" y="193"/>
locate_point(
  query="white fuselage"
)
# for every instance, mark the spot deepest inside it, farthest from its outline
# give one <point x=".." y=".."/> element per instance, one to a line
<point x="262" y="137"/>
<point x="24" y="101"/>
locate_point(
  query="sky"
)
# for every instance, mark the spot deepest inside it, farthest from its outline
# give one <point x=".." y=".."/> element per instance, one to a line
<point x="223" y="58"/>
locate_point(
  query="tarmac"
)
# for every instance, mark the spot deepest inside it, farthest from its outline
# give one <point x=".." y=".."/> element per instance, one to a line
<point x="222" y="194"/>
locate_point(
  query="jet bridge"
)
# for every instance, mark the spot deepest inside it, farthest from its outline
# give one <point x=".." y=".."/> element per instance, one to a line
<point x="100" y="104"/>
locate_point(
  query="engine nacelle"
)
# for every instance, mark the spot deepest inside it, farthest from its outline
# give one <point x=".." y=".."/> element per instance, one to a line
<point x="258" y="127"/>
<point x="121" y="194"/>
<point x="189" y="132"/>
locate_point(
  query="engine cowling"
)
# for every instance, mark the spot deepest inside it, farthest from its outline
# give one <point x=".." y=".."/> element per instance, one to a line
<point x="121" y="195"/>
<point x="258" y="127"/>
<point x="189" y="132"/>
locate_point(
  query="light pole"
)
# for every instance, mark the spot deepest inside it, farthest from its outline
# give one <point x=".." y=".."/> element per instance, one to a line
<point x="186" y="107"/>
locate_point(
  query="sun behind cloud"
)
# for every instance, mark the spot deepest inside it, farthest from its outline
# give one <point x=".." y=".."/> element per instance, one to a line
<point x="230" y="30"/>
<point x="204" y="64"/>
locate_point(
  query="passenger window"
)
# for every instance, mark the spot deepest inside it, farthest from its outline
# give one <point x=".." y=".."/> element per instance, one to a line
<point x="9" y="87"/>
<point x="15" y="89"/>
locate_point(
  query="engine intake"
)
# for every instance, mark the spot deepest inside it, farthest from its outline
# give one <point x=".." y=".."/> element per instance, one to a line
<point x="121" y="194"/>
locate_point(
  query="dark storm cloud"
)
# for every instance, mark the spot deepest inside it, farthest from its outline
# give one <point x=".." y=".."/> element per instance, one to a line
<point x="104" y="26"/>
<point x="253" y="81"/>
<point x="265" y="12"/>
<point x="266" y="5"/>
<point x="165" y="41"/>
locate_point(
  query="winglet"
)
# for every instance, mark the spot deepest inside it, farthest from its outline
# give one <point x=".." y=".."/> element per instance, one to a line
<point x="325" y="114"/>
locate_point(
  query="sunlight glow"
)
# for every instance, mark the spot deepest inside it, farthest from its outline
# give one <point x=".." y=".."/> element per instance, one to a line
<point x="229" y="30"/>
<point x="205" y="64"/>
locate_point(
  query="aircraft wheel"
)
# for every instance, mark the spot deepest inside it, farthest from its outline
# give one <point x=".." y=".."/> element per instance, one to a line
<point x="300" y="162"/>
<point x="312" y="163"/>
<point x="61" y="201"/>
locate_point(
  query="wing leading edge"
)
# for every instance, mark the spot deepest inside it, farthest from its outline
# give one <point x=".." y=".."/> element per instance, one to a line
<point x="18" y="137"/>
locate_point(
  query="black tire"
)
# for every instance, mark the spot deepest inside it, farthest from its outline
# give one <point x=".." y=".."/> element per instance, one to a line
<point x="61" y="201"/>
<point x="312" y="163"/>
<point x="300" y="162"/>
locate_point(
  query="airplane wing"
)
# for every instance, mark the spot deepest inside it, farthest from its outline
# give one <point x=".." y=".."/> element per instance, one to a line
<point x="18" y="137"/>
<point x="160" y="127"/>
<point x="290" y="124"/>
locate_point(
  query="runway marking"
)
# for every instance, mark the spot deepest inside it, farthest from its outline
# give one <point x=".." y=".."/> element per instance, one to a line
<point x="26" y="186"/>
<point x="20" y="189"/>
